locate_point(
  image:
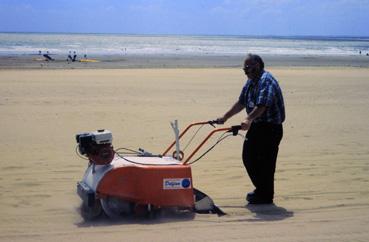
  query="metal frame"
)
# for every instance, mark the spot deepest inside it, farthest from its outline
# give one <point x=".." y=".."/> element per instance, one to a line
<point x="201" y="144"/>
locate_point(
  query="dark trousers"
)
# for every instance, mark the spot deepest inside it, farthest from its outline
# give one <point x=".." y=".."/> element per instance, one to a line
<point x="259" y="155"/>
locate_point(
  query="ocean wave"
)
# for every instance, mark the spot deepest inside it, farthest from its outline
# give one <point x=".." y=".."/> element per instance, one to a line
<point x="109" y="44"/>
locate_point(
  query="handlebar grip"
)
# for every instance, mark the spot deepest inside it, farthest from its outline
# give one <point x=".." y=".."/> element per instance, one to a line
<point x="234" y="129"/>
<point x="215" y="121"/>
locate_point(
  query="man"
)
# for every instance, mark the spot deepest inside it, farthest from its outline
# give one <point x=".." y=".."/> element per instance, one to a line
<point x="263" y="100"/>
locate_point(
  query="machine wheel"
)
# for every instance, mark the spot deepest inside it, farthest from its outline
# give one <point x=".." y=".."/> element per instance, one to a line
<point x="91" y="213"/>
<point x="115" y="207"/>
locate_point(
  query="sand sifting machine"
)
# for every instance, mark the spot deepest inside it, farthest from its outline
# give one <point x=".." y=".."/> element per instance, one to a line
<point x="126" y="182"/>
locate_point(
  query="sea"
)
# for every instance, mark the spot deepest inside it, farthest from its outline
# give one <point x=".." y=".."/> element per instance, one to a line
<point x="15" y="44"/>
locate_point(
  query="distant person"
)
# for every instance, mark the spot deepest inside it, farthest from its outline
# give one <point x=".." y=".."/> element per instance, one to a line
<point x="39" y="52"/>
<point x="48" y="57"/>
<point x="74" y="56"/>
<point x="360" y="52"/>
<point x="367" y="54"/>
<point x="70" y="58"/>
<point x="262" y="98"/>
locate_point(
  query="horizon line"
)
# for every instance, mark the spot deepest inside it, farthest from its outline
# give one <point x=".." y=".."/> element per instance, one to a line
<point x="210" y="35"/>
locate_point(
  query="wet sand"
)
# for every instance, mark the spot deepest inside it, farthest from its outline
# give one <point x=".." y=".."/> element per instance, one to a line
<point x="322" y="184"/>
<point x="177" y="61"/>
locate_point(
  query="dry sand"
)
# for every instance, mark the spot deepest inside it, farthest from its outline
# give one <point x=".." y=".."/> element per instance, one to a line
<point x="322" y="177"/>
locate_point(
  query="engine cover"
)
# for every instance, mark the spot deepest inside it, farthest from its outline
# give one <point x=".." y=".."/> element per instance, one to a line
<point x="97" y="146"/>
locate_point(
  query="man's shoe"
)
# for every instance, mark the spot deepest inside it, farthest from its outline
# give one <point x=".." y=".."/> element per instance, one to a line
<point x="255" y="199"/>
<point x="250" y="195"/>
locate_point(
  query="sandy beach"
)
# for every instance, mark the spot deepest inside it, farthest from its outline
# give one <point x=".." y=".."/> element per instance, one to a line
<point x="322" y="177"/>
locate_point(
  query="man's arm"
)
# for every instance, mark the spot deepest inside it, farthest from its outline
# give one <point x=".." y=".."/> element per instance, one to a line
<point x="255" y="113"/>
<point x="236" y="108"/>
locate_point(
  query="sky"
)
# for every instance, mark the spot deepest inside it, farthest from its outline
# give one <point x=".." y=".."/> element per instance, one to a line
<point x="188" y="17"/>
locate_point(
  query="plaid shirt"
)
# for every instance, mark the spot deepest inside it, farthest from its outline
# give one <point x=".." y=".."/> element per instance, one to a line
<point x="264" y="92"/>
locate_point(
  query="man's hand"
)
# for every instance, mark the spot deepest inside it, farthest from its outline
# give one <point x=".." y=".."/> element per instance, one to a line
<point x="245" y="125"/>
<point x="236" y="108"/>
<point x="255" y="113"/>
<point x="221" y="120"/>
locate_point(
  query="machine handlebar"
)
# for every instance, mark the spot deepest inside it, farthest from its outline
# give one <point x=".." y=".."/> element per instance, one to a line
<point x="233" y="129"/>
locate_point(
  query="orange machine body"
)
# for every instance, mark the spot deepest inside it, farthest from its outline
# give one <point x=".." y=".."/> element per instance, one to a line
<point x="159" y="181"/>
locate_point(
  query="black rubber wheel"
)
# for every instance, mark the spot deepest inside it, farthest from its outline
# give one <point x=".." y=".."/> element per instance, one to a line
<point x="91" y="213"/>
<point x="115" y="208"/>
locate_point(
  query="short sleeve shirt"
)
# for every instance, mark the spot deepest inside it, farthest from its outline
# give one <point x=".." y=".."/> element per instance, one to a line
<point x="264" y="92"/>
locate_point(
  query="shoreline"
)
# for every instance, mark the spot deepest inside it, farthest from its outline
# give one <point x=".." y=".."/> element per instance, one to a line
<point x="177" y="61"/>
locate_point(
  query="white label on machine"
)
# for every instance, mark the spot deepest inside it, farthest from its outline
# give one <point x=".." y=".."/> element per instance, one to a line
<point x="176" y="183"/>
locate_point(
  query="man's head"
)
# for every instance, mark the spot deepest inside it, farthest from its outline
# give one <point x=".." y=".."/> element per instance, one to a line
<point x="253" y="66"/>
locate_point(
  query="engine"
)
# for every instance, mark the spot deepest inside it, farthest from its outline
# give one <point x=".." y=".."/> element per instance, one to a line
<point x="97" y="146"/>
